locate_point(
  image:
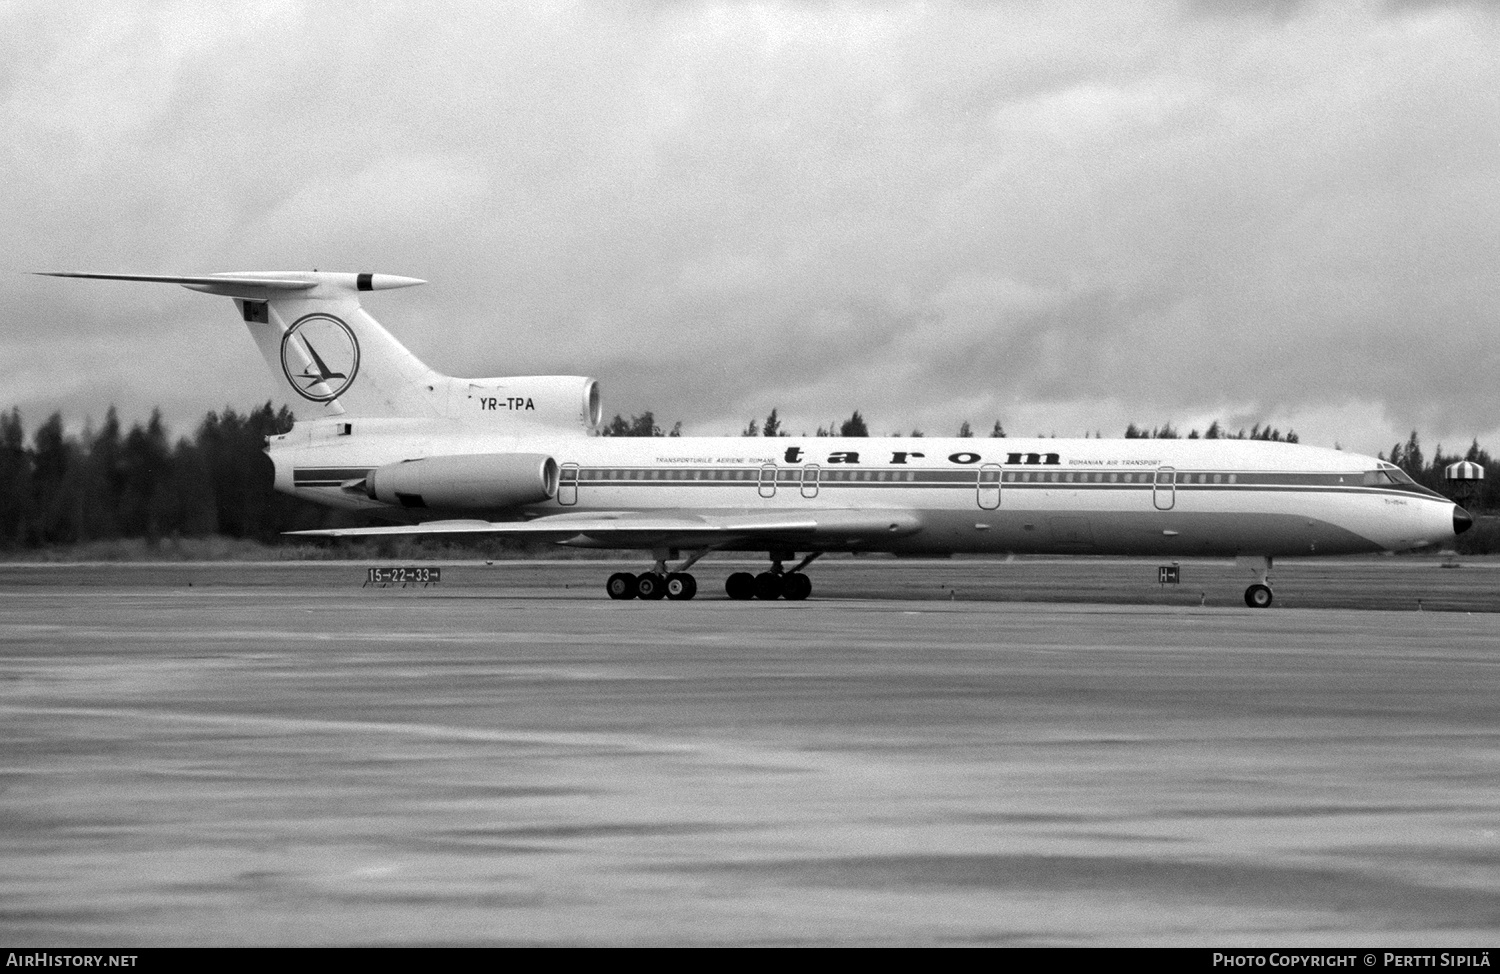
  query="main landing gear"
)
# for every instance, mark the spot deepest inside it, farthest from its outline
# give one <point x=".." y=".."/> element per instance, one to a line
<point x="658" y="583"/>
<point x="1259" y="595"/>
<point x="679" y="586"/>
<point x="774" y="584"/>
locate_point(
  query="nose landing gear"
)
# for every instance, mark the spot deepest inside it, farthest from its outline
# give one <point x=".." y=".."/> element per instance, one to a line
<point x="1259" y="595"/>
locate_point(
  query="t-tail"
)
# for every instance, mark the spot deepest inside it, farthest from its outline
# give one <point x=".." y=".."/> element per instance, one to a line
<point x="331" y="359"/>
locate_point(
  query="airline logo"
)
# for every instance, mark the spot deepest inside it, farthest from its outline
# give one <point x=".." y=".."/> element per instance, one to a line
<point x="320" y="357"/>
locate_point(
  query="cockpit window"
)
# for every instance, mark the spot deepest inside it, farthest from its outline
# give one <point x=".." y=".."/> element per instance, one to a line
<point x="1386" y="476"/>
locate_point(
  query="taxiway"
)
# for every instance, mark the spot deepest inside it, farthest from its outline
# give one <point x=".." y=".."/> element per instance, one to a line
<point x="275" y="755"/>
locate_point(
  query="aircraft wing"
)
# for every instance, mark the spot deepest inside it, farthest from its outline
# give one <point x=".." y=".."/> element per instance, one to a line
<point x="669" y="528"/>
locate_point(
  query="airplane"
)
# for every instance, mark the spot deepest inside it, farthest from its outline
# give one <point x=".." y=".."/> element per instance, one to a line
<point x="520" y="456"/>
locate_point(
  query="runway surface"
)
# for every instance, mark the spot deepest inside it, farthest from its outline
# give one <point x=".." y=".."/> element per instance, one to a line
<point x="275" y="755"/>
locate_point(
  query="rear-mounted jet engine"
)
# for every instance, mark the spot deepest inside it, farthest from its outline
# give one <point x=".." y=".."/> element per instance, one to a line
<point x="487" y="481"/>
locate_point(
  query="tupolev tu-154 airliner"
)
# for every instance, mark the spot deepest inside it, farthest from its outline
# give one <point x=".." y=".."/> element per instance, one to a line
<point x="521" y="456"/>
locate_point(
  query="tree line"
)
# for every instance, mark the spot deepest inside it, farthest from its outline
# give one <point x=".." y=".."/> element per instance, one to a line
<point x="855" y="425"/>
<point x="1167" y="431"/>
<point x="645" y="425"/>
<point x="111" y="482"/>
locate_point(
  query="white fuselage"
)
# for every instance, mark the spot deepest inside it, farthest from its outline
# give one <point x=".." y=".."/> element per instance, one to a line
<point x="1132" y="497"/>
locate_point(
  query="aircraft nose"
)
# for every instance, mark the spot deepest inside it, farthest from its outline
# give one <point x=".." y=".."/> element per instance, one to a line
<point x="1462" y="520"/>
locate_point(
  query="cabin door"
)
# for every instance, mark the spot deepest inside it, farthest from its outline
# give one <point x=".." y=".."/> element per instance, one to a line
<point x="567" y="485"/>
<point x="767" y="485"/>
<point x="1164" y="492"/>
<point x="810" y="480"/>
<point x="989" y="486"/>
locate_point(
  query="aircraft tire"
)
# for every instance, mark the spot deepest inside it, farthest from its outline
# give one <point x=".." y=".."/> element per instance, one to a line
<point x="681" y="586"/>
<point x="740" y="586"/>
<point x="621" y="585"/>
<point x="1258" y="596"/>
<point x="650" y="586"/>
<point x="796" y="587"/>
<point x="768" y="586"/>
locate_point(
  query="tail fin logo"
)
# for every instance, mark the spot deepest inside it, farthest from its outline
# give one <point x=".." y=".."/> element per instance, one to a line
<point x="320" y="357"/>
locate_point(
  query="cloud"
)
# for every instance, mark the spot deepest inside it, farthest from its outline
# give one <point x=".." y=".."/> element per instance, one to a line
<point x="1065" y="216"/>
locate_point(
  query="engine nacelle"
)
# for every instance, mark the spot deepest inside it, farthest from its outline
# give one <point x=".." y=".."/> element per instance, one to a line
<point x="570" y="402"/>
<point x="481" y="481"/>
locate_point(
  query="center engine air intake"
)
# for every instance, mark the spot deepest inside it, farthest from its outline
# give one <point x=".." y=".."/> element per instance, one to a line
<point x="569" y="402"/>
<point x="483" y="481"/>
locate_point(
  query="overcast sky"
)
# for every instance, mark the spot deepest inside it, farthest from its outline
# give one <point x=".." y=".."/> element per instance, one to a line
<point x="1064" y="216"/>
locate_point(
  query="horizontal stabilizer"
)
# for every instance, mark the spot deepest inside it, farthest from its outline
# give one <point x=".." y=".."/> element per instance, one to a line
<point x="255" y="285"/>
<point x="270" y="281"/>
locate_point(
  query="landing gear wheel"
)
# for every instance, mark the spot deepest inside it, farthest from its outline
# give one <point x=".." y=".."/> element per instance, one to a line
<point x="621" y="585"/>
<point x="795" y="587"/>
<point x="651" y="586"/>
<point x="681" y="586"/>
<point x="740" y="586"/>
<point x="768" y="586"/>
<point x="1258" y="596"/>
